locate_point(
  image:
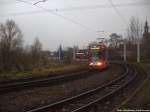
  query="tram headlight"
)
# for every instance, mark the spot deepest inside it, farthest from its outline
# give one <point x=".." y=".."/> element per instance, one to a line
<point x="91" y="64"/>
<point x="99" y="63"/>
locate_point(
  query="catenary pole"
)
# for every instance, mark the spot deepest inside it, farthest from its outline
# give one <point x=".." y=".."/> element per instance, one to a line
<point x="138" y="45"/>
<point x="124" y="50"/>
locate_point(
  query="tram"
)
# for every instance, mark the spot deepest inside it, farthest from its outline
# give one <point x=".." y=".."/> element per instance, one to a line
<point x="97" y="57"/>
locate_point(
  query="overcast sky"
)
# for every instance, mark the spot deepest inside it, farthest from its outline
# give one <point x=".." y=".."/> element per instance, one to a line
<point x="72" y="22"/>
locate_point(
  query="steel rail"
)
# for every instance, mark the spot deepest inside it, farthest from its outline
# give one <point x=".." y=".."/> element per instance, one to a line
<point x="83" y="95"/>
<point x="14" y="86"/>
<point x="45" y="81"/>
<point x="85" y="107"/>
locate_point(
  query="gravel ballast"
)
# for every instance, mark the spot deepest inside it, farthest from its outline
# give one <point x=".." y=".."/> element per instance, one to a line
<point x="32" y="98"/>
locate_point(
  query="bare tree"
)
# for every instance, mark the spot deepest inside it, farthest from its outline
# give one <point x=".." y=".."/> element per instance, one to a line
<point x="69" y="55"/>
<point x="36" y="49"/>
<point x="134" y="31"/>
<point x="10" y="43"/>
<point x="115" y="40"/>
<point x="115" y="46"/>
<point x="134" y="36"/>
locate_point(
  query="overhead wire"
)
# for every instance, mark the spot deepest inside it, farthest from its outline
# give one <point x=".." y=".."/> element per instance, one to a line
<point x="54" y="11"/>
<point x="143" y="3"/>
<point x="5" y="2"/>
<point x="59" y="15"/>
<point x="118" y="13"/>
<point x="102" y="6"/>
<point x="80" y="8"/>
<point x="39" y="2"/>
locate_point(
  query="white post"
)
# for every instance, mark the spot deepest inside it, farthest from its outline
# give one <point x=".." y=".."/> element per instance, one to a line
<point x="107" y="50"/>
<point x="138" y="51"/>
<point x="59" y="54"/>
<point x="74" y="53"/>
<point x="124" y="51"/>
<point x="138" y="47"/>
<point x="138" y="43"/>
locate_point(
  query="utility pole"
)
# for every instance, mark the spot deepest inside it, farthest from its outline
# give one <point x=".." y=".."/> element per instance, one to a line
<point x="138" y="50"/>
<point x="138" y="46"/>
<point x="124" y="50"/>
<point x="59" y="53"/>
<point x="74" y="53"/>
<point x="107" y="54"/>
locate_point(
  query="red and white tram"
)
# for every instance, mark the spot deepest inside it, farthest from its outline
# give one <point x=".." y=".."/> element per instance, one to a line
<point x="97" y="57"/>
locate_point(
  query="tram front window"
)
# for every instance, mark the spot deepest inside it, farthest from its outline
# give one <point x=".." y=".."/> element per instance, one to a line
<point x="95" y="56"/>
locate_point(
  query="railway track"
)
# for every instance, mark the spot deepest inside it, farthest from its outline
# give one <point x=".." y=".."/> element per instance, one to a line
<point x="86" y="101"/>
<point x="59" y="79"/>
<point x="43" y="82"/>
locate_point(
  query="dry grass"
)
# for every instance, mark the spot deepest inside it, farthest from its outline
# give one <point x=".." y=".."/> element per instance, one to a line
<point x="42" y="71"/>
<point x="142" y="99"/>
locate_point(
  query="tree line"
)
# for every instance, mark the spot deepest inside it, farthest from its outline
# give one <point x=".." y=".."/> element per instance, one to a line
<point x="13" y="54"/>
<point x="134" y="34"/>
